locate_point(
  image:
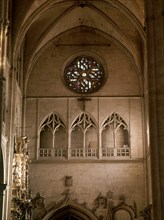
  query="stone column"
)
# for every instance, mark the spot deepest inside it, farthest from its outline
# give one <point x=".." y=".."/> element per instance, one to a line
<point x="155" y="55"/>
<point x="4" y="24"/>
<point x="1" y="124"/>
<point x="2" y="188"/>
<point x="2" y="185"/>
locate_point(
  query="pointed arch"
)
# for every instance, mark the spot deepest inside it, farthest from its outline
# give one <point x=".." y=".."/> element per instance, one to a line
<point x="84" y="135"/>
<point x="115" y="135"/>
<point x="53" y="120"/>
<point x="70" y="210"/>
<point x="84" y="121"/>
<point x="116" y="130"/>
<point x="52" y="134"/>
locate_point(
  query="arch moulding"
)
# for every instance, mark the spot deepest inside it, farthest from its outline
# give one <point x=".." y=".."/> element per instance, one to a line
<point x="70" y="207"/>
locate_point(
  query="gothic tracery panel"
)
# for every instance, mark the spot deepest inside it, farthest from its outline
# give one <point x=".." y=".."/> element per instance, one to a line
<point x="83" y="131"/>
<point x="52" y="132"/>
<point x="114" y="136"/>
<point x="114" y="131"/>
<point x="82" y="140"/>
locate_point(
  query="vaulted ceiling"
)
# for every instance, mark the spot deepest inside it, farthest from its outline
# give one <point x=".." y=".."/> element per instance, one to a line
<point x="40" y="23"/>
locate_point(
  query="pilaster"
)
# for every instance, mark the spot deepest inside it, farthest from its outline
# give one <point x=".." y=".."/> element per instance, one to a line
<point x="155" y="53"/>
<point x="4" y="25"/>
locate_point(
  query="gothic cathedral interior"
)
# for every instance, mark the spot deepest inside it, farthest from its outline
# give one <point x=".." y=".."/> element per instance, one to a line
<point x="82" y="110"/>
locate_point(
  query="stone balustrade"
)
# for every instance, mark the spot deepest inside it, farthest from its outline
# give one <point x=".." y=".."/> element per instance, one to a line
<point x="84" y="153"/>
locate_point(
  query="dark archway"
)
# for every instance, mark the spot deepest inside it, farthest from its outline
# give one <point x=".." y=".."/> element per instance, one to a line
<point x="70" y="212"/>
<point x="66" y="216"/>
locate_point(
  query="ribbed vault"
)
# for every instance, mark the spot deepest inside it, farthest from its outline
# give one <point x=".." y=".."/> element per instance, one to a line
<point x="119" y="22"/>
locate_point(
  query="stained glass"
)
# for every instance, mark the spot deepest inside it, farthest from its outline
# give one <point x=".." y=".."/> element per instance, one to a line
<point x="84" y="75"/>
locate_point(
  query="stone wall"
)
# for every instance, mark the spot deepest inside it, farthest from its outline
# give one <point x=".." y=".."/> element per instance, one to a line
<point x="130" y="109"/>
<point x="89" y="180"/>
<point x="121" y="93"/>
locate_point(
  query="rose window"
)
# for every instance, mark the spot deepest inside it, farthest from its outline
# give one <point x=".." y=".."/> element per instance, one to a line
<point x="84" y="75"/>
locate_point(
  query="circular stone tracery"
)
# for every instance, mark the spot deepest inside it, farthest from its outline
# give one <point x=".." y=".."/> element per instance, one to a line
<point x="84" y="75"/>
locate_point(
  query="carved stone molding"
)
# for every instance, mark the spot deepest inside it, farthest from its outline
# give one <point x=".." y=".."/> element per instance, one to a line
<point x="101" y="202"/>
<point x="104" y="205"/>
<point x="124" y="207"/>
<point x="146" y="213"/>
<point x="5" y="22"/>
<point x="21" y="197"/>
<point x="68" y="203"/>
<point x="21" y="145"/>
<point x="130" y="208"/>
<point x="38" y="206"/>
<point x="68" y="181"/>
